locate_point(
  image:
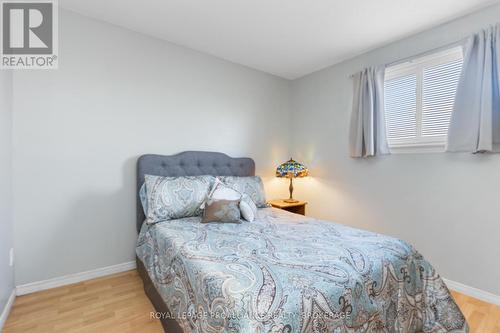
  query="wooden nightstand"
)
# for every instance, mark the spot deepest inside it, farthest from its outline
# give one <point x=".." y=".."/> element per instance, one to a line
<point x="297" y="207"/>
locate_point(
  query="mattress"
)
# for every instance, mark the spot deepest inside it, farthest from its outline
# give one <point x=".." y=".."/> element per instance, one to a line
<point x="289" y="273"/>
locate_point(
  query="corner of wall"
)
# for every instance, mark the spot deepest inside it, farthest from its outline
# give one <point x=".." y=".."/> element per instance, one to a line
<point x="7" y="293"/>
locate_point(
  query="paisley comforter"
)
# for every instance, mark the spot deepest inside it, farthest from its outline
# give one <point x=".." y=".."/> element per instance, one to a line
<point x="287" y="273"/>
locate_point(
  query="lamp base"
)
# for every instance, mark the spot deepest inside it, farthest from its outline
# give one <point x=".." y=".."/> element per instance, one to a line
<point x="290" y="188"/>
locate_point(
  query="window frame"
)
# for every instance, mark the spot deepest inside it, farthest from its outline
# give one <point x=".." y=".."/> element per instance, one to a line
<point x="416" y="66"/>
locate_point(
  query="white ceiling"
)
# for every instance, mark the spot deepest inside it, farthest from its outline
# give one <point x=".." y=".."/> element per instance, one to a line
<point x="288" y="38"/>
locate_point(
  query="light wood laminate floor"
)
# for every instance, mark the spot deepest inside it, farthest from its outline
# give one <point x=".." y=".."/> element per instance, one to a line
<point x="117" y="303"/>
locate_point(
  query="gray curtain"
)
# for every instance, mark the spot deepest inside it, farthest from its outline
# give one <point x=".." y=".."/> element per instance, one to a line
<point x="368" y="134"/>
<point x="475" y="122"/>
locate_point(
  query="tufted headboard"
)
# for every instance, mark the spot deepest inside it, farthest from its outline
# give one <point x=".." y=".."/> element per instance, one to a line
<point x="189" y="163"/>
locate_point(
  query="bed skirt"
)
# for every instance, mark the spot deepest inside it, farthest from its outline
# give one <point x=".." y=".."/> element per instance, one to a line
<point x="169" y="324"/>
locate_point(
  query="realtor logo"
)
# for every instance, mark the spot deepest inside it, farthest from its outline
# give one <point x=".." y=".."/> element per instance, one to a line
<point x="29" y="34"/>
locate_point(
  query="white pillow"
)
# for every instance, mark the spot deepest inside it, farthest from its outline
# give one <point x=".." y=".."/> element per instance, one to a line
<point x="221" y="192"/>
<point x="248" y="208"/>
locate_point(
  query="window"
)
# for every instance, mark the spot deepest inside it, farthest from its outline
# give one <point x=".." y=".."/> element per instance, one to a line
<point x="419" y="96"/>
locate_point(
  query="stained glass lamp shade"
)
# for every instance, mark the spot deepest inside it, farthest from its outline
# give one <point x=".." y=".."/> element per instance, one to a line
<point x="291" y="169"/>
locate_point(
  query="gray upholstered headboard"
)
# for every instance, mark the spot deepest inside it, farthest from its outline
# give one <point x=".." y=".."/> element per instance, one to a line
<point x="189" y="163"/>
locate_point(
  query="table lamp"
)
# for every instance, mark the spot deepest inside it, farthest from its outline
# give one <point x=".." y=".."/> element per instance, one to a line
<point x="291" y="169"/>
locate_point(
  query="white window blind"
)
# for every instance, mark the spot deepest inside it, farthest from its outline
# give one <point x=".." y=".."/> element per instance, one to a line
<point x="401" y="107"/>
<point x="419" y="96"/>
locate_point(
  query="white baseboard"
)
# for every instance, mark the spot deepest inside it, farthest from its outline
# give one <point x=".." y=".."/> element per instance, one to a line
<point x="127" y="266"/>
<point x="473" y="292"/>
<point x="73" y="278"/>
<point x="6" y="309"/>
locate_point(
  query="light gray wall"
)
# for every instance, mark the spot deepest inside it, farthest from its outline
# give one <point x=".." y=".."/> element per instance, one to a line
<point x="6" y="224"/>
<point x="116" y="95"/>
<point x="445" y="204"/>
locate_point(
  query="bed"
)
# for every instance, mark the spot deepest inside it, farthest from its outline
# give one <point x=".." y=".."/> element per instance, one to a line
<point x="283" y="272"/>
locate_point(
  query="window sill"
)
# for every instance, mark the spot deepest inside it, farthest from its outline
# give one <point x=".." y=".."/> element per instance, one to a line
<point x="418" y="148"/>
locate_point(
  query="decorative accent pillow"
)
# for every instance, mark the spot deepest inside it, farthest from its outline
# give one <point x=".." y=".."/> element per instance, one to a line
<point x="171" y="198"/>
<point x="248" y="208"/>
<point x="251" y="186"/>
<point x="225" y="211"/>
<point x="222" y="191"/>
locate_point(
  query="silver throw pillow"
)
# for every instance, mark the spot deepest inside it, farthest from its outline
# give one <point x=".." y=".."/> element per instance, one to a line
<point x="225" y="211"/>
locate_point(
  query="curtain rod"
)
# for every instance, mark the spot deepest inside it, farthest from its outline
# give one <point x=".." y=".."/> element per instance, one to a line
<point x="423" y="54"/>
